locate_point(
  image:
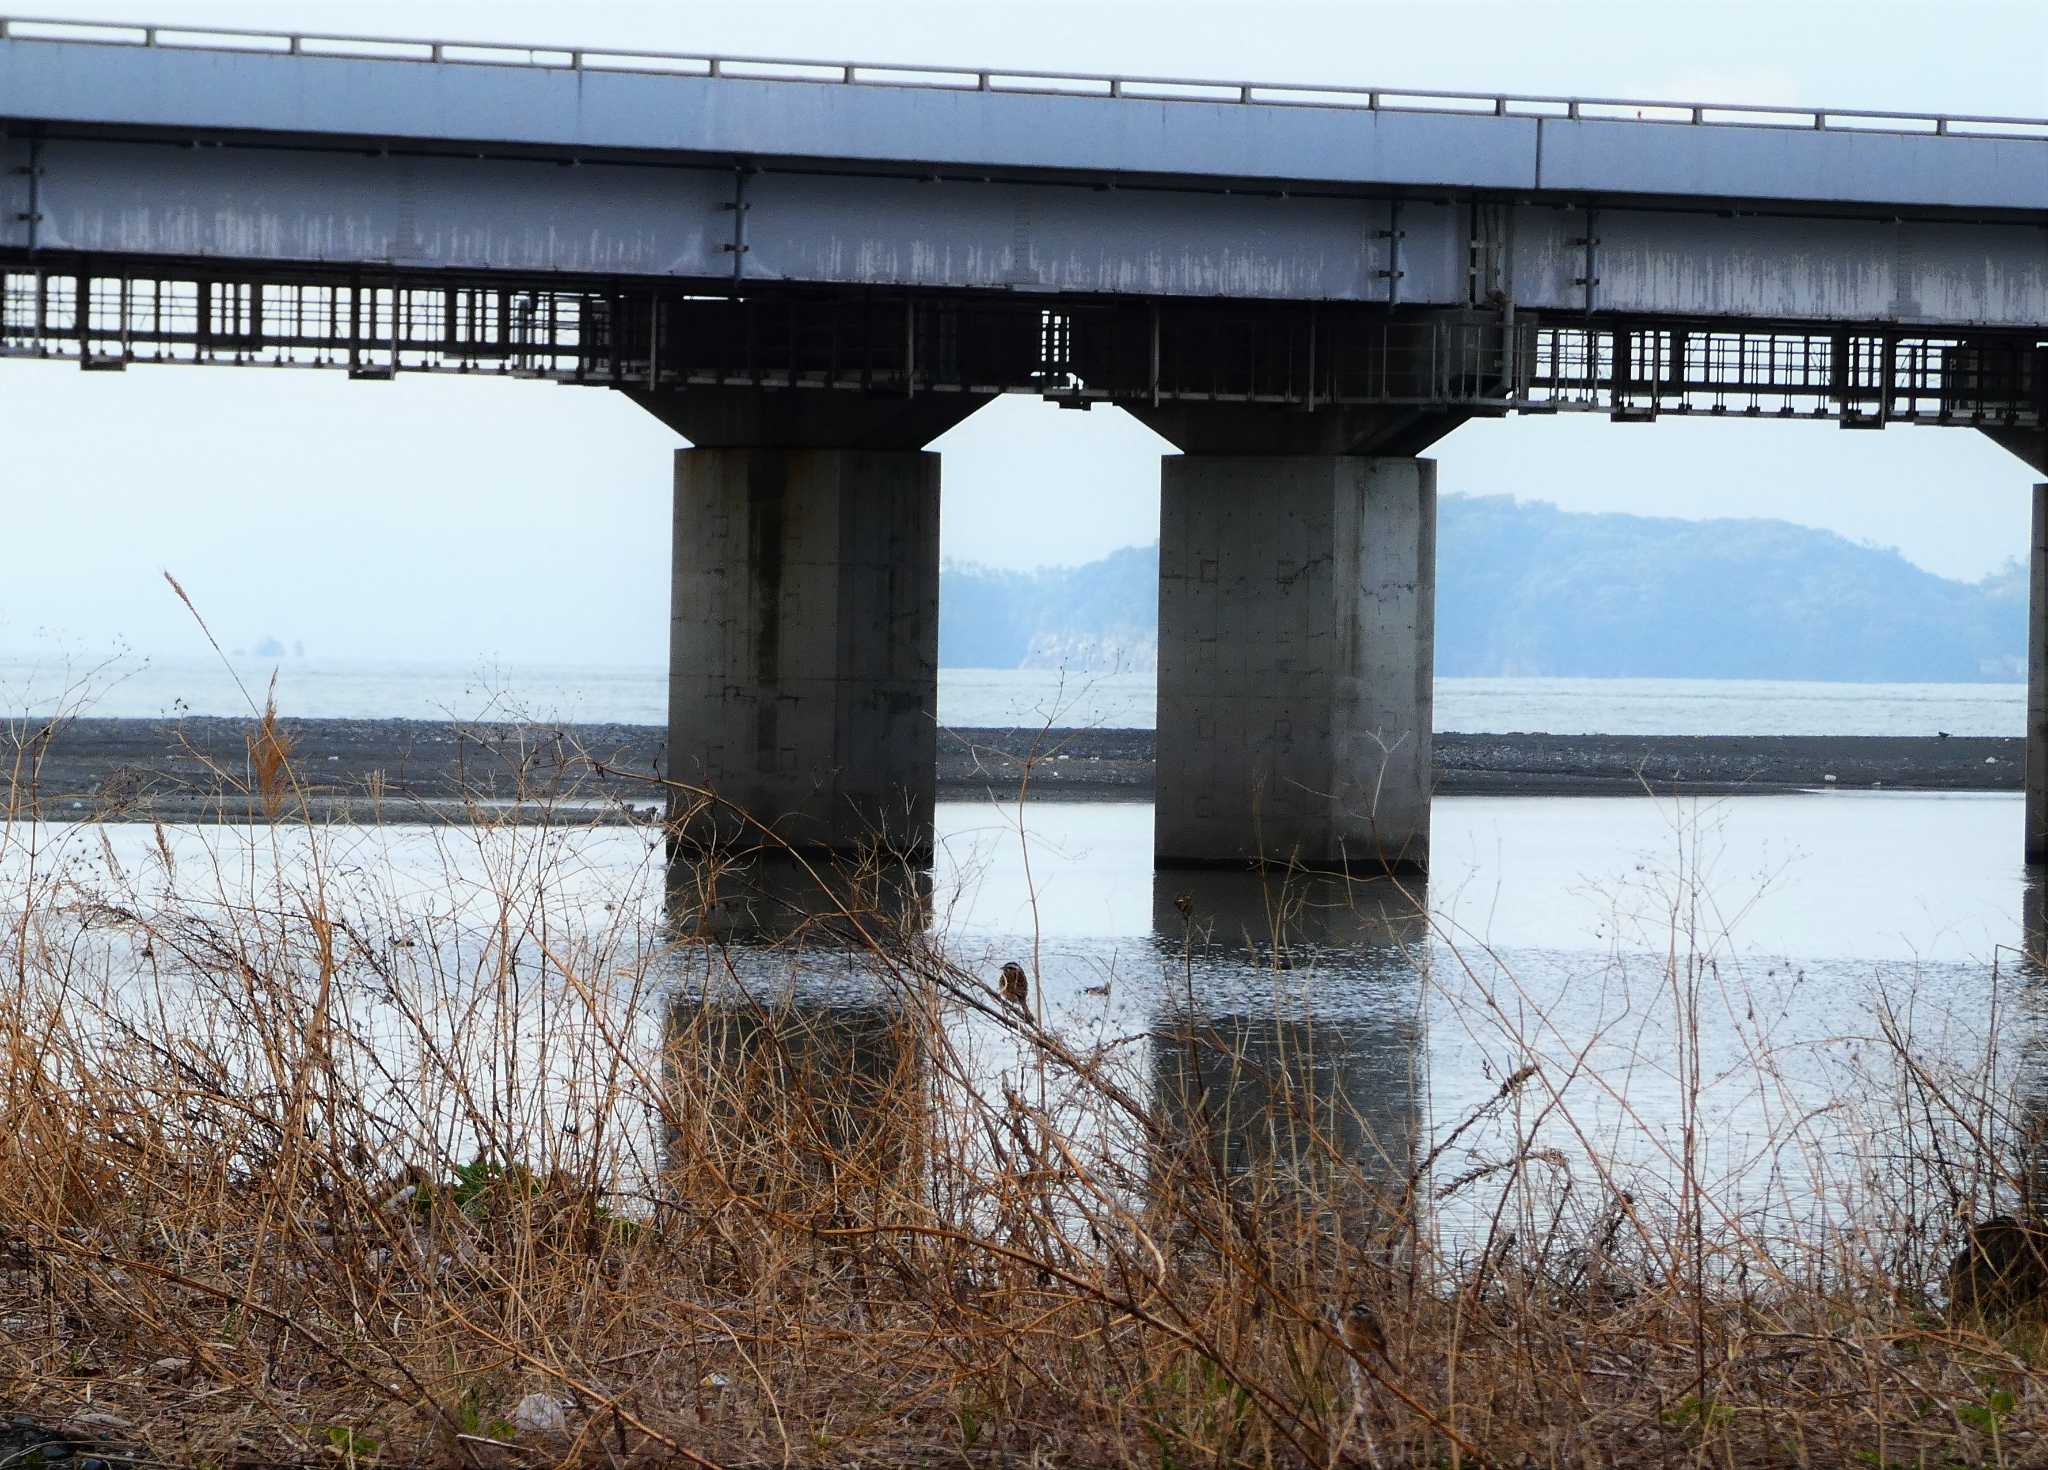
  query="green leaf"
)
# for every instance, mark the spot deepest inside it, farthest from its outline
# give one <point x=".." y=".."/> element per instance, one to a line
<point x="347" y="1443"/>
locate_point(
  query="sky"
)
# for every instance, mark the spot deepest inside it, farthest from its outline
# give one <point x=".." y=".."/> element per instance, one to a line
<point x="448" y="519"/>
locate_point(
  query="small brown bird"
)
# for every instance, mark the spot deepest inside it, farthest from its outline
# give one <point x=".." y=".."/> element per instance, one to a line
<point x="1185" y="902"/>
<point x="1361" y="1330"/>
<point x="1017" y="987"/>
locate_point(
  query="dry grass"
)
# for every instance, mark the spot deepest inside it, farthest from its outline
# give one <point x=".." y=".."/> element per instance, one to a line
<point x="270" y="757"/>
<point x="298" y="1165"/>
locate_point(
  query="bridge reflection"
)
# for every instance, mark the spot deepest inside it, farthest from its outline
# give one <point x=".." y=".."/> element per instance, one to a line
<point x="774" y="898"/>
<point x="792" y="1077"/>
<point x="1280" y="1040"/>
<point x="1285" y="1051"/>
<point x="2027" y="1185"/>
<point x="2033" y="931"/>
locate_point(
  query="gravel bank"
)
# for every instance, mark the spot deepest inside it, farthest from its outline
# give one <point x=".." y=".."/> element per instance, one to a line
<point x="196" y="769"/>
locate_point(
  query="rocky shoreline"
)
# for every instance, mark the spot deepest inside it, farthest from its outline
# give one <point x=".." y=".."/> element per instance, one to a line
<point x="197" y="769"/>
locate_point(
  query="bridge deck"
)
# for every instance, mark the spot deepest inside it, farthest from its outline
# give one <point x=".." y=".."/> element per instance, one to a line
<point x="642" y="220"/>
<point x="936" y="118"/>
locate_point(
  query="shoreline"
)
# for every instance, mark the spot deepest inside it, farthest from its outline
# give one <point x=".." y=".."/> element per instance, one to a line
<point x="195" y="769"/>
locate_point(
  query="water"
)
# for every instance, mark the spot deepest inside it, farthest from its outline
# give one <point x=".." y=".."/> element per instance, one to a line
<point x="1759" y="940"/>
<point x="1557" y="932"/>
<point x="1005" y="697"/>
<point x="311" y="688"/>
<point x="343" y="689"/>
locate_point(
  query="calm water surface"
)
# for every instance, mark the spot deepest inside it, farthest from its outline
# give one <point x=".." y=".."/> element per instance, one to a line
<point x="1595" y="938"/>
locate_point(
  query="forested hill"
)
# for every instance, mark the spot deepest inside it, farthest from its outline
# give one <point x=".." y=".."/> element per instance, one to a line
<point x="1527" y="589"/>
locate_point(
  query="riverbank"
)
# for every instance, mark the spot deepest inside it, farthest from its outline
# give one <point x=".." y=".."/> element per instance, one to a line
<point x="197" y="769"/>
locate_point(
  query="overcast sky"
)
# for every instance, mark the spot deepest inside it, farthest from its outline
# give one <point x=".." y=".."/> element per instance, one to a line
<point x="453" y="519"/>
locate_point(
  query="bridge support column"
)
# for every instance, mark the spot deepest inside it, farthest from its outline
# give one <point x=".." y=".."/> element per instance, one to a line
<point x="2037" y="688"/>
<point x="803" y="670"/>
<point x="2031" y="445"/>
<point x="1296" y="653"/>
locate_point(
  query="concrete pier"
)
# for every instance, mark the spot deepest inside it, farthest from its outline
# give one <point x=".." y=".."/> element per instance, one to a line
<point x="1296" y="653"/>
<point x="2037" y="688"/>
<point x="2031" y="446"/>
<point x="803" y="668"/>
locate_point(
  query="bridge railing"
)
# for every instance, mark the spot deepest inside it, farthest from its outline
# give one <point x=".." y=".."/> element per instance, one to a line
<point x="1010" y="80"/>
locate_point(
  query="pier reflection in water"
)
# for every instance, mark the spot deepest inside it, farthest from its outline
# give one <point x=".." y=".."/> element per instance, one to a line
<point x="794" y="1072"/>
<point x="772" y="898"/>
<point x="799" y="1038"/>
<point x="2032" y="938"/>
<point x="1302" y="1112"/>
<point x="2023" y="1178"/>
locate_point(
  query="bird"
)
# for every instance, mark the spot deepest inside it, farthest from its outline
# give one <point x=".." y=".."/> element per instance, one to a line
<point x="1185" y="902"/>
<point x="1361" y="1330"/>
<point x="1016" y="987"/>
<point x="1941" y="734"/>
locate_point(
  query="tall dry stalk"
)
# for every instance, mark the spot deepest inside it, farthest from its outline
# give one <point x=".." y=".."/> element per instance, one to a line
<point x="270" y="756"/>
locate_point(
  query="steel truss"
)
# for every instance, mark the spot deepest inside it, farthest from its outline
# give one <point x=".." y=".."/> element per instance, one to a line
<point x="107" y="314"/>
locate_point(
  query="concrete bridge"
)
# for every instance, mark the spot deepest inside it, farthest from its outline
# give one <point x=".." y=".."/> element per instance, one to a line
<point x="812" y="270"/>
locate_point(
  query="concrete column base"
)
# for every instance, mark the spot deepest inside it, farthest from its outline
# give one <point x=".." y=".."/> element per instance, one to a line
<point x="1297" y="604"/>
<point x="803" y="666"/>
<point x="2037" y="688"/>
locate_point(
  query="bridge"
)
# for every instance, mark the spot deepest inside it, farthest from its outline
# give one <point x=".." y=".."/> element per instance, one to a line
<point x="811" y="270"/>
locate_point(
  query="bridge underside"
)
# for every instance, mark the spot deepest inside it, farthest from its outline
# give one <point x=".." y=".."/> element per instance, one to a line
<point x="108" y="312"/>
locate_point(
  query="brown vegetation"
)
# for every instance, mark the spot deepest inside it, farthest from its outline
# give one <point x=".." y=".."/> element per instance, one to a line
<point x="297" y="1166"/>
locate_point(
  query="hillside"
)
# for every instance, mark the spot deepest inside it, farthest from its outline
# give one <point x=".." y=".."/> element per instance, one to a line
<point x="1527" y="589"/>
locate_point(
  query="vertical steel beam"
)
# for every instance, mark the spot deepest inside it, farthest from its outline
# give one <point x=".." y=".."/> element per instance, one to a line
<point x="737" y="246"/>
<point x="1590" y="281"/>
<point x="1155" y="354"/>
<point x="1394" y="268"/>
<point x="654" y="342"/>
<point x="34" y="215"/>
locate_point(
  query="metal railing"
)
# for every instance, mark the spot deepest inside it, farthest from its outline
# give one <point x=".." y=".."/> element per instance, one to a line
<point x="996" y="79"/>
